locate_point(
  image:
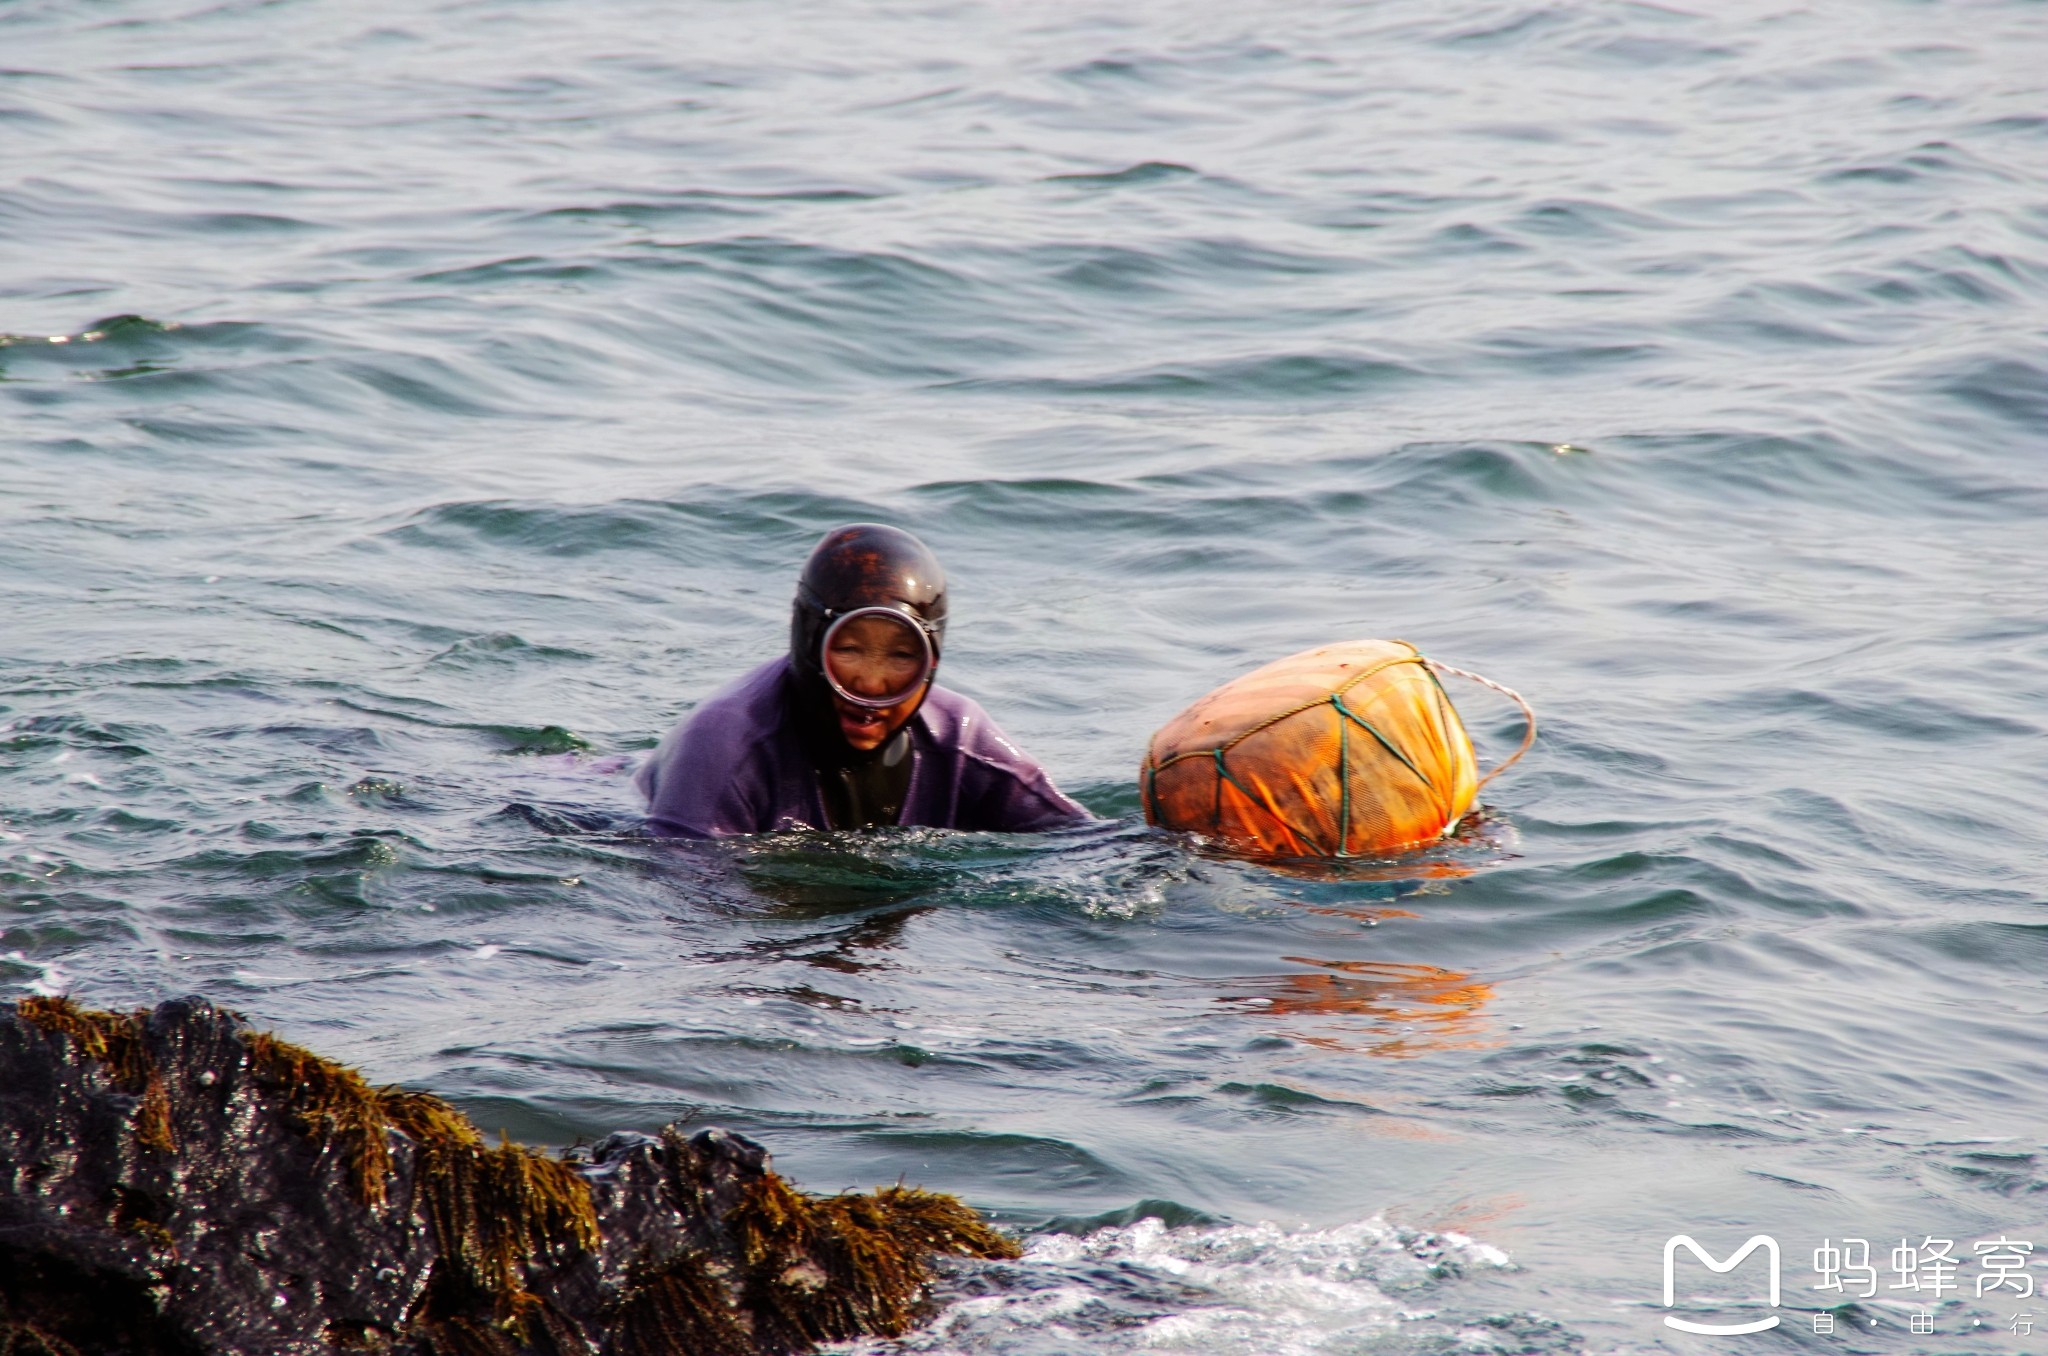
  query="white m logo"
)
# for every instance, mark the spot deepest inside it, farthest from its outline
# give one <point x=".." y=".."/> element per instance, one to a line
<point x="1671" y="1246"/>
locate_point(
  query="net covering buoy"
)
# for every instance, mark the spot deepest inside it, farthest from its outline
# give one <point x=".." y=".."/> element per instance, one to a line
<point x="1348" y="750"/>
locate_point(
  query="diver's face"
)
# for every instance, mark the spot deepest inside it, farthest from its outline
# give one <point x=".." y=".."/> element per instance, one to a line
<point x="875" y="658"/>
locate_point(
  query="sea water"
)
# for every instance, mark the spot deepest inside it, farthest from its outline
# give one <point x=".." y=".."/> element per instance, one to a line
<point x="412" y="410"/>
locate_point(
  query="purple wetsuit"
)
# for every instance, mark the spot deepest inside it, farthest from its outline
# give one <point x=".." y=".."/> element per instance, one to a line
<point x="737" y="766"/>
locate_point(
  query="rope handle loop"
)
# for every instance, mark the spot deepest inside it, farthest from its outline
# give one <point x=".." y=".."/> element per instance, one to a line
<point x="1528" y="717"/>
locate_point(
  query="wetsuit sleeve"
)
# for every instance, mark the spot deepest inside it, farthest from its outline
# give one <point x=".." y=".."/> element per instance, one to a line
<point x="1011" y="804"/>
<point x="700" y="783"/>
<point x="1004" y="790"/>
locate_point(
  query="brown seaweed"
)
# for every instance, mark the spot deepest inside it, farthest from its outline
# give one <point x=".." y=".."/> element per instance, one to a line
<point x="525" y="1260"/>
<point x="822" y="1269"/>
<point x="115" y="1040"/>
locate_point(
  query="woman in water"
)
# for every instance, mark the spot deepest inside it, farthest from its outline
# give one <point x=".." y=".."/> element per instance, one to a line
<point x="848" y="731"/>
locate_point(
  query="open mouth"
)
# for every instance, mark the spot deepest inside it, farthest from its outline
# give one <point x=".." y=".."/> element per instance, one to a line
<point x="861" y="721"/>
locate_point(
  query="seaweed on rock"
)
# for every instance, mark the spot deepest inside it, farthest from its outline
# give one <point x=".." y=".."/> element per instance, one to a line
<point x="825" y="1269"/>
<point x="682" y="1305"/>
<point x="213" y="1189"/>
<point x="492" y="1210"/>
<point x="115" y="1039"/>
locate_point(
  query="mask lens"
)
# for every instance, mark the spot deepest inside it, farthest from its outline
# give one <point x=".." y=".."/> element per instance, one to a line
<point x="876" y="657"/>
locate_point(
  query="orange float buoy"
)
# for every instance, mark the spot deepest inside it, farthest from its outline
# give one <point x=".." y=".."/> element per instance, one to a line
<point x="1349" y="750"/>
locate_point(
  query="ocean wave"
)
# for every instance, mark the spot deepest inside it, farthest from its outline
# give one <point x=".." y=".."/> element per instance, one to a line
<point x="1255" y="1289"/>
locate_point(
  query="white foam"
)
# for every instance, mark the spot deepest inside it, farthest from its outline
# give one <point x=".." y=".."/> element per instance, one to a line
<point x="1230" y="1290"/>
<point x="50" y="980"/>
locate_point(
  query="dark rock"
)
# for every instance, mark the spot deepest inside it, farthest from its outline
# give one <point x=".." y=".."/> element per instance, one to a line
<point x="175" y="1183"/>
